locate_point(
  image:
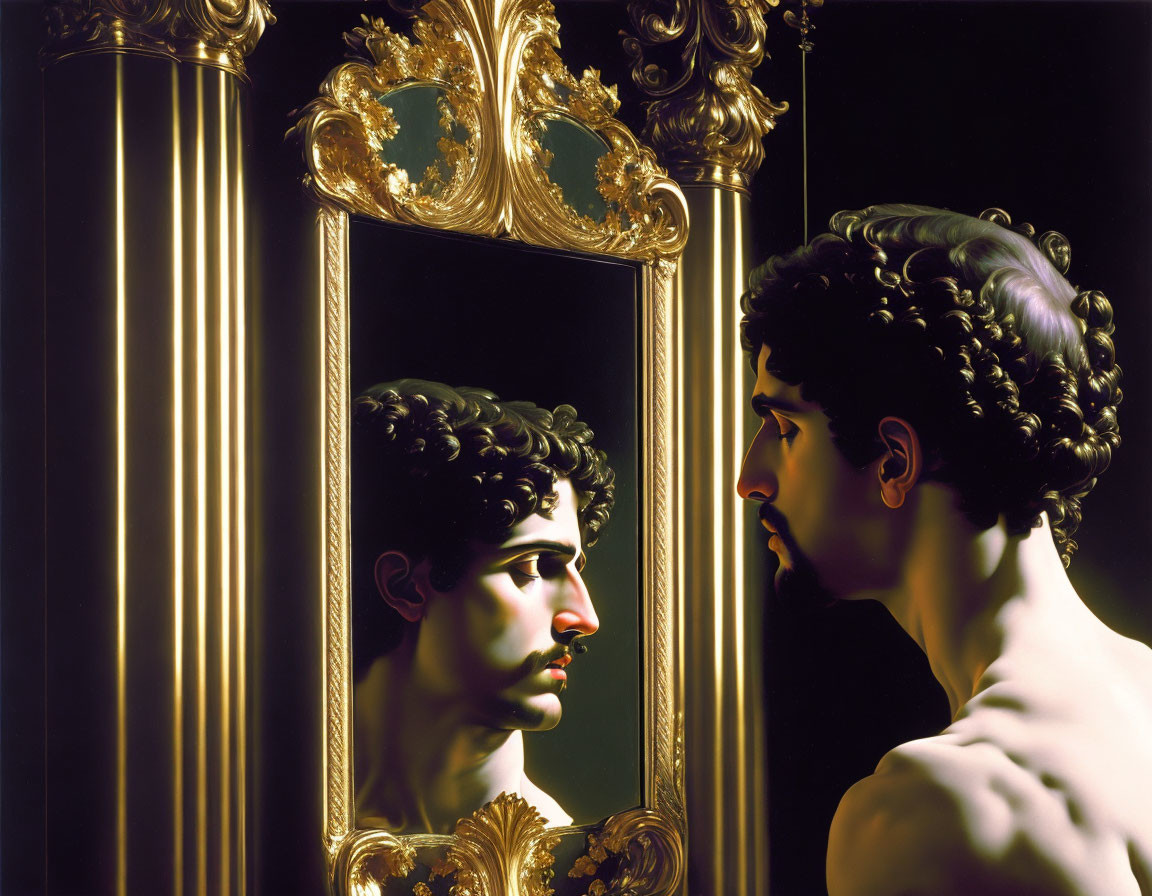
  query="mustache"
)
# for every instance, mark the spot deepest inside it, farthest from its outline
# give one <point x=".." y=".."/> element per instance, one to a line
<point x="538" y="659"/>
<point x="774" y="518"/>
<point x="800" y="583"/>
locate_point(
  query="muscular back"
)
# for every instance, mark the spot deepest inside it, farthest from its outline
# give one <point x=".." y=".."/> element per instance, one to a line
<point x="1042" y="785"/>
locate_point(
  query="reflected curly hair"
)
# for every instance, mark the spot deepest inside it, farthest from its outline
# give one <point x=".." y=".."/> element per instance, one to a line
<point x="435" y="468"/>
<point x="967" y="329"/>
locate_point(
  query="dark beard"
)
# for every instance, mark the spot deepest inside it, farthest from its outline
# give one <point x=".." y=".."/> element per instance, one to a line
<point x="798" y="583"/>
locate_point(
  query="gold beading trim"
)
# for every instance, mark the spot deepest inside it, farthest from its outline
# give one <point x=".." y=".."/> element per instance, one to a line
<point x="707" y="124"/>
<point x="333" y="227"/>
<point x="497" y="65"/>
<point x="664" y="735"/>
<point x="218" y="33"/>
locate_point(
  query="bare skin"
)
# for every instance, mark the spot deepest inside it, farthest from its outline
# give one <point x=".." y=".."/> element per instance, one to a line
<point x="440" y="720"/>
<point x="430" y="765"/>
<point x="1043" y="781"/>
<point x="1042" y="784"/>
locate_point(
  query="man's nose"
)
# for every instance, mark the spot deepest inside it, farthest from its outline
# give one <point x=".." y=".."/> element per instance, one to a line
<point x="757" y="480"/>
<point x="574" y="610"/>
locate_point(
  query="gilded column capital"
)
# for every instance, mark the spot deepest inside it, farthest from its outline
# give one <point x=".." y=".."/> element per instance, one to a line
<point x="706" y="124"/>
<point x="218" y="33"/>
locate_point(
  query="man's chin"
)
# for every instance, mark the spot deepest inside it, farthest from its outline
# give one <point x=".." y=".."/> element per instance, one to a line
<point x="798" y="584"/>
<point x="540" y="712"/>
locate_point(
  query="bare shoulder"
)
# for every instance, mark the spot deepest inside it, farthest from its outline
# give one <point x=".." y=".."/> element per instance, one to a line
<point x="943" y="818"/>
<point x="550" y="810"/>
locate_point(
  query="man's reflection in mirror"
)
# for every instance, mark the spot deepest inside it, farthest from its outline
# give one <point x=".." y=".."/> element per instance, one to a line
<point x="471" y="519"/>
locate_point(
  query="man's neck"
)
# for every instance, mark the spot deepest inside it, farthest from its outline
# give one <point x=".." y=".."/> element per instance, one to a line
<point x="966" y="596"/>
<point x="421" y="764"/>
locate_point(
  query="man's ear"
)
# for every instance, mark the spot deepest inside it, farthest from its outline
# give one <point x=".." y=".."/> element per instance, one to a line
<point x="398" y="587"/>
<point x="902" y="461"/>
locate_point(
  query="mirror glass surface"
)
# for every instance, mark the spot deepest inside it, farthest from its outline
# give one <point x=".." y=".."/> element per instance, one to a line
<point x="570" y="153"/>
<point x="425" y="126"/>
<point x="551" y="328"/>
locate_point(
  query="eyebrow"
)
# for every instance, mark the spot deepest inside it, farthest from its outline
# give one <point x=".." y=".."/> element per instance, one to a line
<point x="762" y="404"/>
<point x="547" y="547"/>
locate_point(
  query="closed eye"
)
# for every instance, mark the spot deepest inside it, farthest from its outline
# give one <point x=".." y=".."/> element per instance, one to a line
<point x="526" y="568"/>
<point x="786" y="430"/>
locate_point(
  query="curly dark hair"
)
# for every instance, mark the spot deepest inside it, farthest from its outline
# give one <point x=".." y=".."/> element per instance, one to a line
<point x="435" y="468"/>
<point x="967" y="329"/>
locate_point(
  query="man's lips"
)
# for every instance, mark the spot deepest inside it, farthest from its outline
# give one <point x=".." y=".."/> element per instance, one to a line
<point x="554" y="662"/>
<point x="772" y="521"/>
<point x="556" y="667"/>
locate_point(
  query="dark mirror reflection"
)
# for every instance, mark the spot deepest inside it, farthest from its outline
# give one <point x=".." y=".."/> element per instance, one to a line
<point x="570" y="153"/>
<point x="495" y="529"/>
<point x="426" y="138"/>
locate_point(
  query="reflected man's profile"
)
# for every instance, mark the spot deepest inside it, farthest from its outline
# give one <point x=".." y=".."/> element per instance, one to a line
<point x="470" y="520"/>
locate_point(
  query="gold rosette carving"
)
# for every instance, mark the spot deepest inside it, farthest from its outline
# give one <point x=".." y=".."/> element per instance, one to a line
<point x="501" y="86"/>
<point x="650" y="855"/>
<point x="219" y="33"/>
<point x="707" y="123"/>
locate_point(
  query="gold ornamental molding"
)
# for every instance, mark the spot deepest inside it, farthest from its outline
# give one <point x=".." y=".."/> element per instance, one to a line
<point x="504" y="849"/>
<point x="706" y="123"/>
<point x="217" y="33"/>
<point x="500" y="102"/>
<point x="467" y="124"/>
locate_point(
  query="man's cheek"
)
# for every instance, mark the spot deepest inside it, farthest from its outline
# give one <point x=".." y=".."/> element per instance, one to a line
<point x="508" y="648"/>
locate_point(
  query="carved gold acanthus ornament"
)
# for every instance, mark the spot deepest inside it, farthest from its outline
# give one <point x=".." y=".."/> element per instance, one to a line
<point x="495" y="62"/>
<point x="706" y="124"/>
<point x="503" y="848"/>
<point x="218" y="33"/>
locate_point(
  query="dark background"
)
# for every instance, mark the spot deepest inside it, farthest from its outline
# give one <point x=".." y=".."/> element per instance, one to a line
<point x="1041" y="108"/>
<point x="550" y="328"/>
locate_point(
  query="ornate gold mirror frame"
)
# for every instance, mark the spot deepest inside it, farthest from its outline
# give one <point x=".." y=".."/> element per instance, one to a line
<point x="501" y="83"/>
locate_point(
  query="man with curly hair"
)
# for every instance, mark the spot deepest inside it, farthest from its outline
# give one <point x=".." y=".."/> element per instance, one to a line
<point x="473" y="516"/>
<point x="937" y="401"/>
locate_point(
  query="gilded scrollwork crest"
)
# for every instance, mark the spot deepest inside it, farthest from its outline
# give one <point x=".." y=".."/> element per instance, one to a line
<point x="212" y="32"/>
<point x="706" y="122"/>
<point x="347" y="127"/>
<point x="508" y="114"/>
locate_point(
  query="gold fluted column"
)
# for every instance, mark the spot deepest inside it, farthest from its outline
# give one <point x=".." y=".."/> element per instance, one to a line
<point x="706" y="123"/>
<point x="146" y="364"/>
